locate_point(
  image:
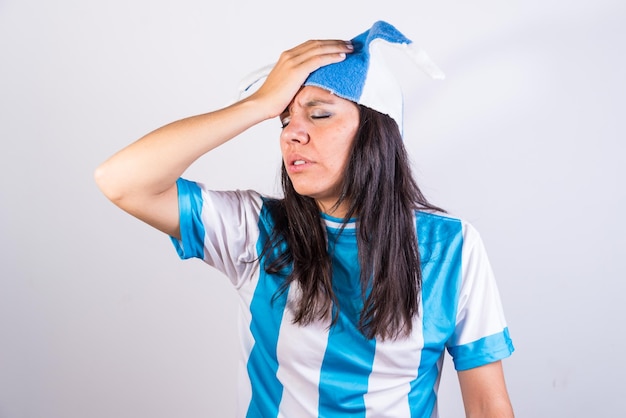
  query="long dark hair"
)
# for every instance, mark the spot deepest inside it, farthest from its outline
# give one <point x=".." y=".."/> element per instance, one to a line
<point x="382" y="194"/>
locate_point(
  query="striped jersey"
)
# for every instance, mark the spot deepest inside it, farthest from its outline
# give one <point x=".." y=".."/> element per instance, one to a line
<point x="293" y="371"/>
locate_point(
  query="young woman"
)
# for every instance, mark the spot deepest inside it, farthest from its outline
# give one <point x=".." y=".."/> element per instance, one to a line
<point x="352" y="284"/>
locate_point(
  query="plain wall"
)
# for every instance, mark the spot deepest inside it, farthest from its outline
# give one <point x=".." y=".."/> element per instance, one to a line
<point x="524" y="139"/>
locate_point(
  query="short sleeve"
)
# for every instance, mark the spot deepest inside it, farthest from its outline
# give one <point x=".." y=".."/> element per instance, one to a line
<point x="481" y="335"/>
<point x="219" y="227"/>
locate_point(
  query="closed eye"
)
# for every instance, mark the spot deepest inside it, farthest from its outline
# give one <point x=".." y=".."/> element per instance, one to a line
<point x="284" y="121"/>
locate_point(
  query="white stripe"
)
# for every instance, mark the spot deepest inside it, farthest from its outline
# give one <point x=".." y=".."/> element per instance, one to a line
<point x="395" y="367"/>
<point x="480" y="283"/>
<point x="350" y="226"/>
<point x="300" y="355"/>
<point x="246" y="343"/>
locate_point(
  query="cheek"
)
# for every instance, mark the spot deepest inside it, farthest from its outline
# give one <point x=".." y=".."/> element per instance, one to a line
<point x="283" y="149"/>
<point x="340" y="156"/>
<point x="344" y="143"/>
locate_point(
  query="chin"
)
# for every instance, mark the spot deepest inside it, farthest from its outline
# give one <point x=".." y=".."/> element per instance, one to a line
<point x="304" y="192"/>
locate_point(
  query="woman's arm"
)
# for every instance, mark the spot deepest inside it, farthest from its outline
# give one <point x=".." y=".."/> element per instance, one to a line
<point x="141" y="178"/>
<point x="484" y="392"/>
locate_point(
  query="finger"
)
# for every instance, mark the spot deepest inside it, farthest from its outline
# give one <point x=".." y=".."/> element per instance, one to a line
<point x="294" y="66"/>
<point x="297" y="63"/>
<point x="302" y="60"/>
<point x="319" y="51"/>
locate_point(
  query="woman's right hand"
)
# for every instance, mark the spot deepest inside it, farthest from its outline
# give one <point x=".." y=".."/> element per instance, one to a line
<point x="293" y="68"/>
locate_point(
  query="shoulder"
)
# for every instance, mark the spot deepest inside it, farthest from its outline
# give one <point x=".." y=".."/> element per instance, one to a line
<point x="441" y="233"/>
<point x="439" y="221"/>
<point x="433" y="222"/>
<point x="219" y="199"/>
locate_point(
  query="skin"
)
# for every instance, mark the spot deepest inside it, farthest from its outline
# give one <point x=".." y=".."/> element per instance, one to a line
<point x="484" y="392"/>
<point x="319" y="129"/>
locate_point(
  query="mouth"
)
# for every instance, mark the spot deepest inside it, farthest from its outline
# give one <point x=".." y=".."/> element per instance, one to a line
<point x="297" y="164"/>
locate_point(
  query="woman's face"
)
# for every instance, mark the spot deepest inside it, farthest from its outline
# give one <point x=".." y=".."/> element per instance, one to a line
<point x="318" y="131"/>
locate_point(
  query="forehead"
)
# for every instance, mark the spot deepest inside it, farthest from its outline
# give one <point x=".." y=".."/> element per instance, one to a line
<point x="310" y="96"/>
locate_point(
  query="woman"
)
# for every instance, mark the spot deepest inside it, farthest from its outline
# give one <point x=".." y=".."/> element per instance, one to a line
<point x="352" y="284"/>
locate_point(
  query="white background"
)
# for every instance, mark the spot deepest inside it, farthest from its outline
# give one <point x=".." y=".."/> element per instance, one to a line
<point x="99" y="318"/>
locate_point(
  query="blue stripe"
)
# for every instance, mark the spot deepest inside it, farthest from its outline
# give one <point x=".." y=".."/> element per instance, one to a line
<point x="349" y="355"/>
<point x="265" y="326"/>
<point x="484" y="351"/>
<point x="345" y="371"/>
<point x="440" y="245"/>
<point x="192" y="234"/>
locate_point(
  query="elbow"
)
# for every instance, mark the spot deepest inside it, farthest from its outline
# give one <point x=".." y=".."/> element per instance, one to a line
<point x="106" y="182"/>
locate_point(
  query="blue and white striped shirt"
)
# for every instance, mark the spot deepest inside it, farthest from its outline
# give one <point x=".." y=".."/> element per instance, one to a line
<point x="288" y="370"/>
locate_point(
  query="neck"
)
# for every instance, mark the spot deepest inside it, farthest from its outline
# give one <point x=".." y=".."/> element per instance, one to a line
<point x="332" y="209"/>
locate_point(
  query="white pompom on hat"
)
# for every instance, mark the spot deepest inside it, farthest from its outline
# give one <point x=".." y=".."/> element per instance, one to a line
<point x="364" y="76"/>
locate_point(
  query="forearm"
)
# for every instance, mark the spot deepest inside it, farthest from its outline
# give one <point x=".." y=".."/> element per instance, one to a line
<point x="494" y="409"/>
<point x="151" y="165"/>
<point x="484" y="392"/>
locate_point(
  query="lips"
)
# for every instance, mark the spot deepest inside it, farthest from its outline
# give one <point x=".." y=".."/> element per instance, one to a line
<point x="297" y="163"/>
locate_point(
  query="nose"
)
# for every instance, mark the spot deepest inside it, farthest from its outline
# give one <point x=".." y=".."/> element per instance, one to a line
<point x="295" y="131"/>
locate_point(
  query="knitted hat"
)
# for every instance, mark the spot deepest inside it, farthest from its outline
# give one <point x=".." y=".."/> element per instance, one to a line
<point x="364" y="76"/>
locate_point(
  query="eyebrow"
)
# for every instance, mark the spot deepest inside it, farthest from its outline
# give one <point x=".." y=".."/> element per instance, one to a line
<point x="316" y="102"/>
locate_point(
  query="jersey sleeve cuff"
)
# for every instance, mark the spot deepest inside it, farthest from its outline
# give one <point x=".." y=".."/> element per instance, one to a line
<point x="190" y="245"/>
<point x="484" y="351"/>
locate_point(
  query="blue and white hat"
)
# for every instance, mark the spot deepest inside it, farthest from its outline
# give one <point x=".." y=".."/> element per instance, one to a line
<point x="365" y="77"/>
